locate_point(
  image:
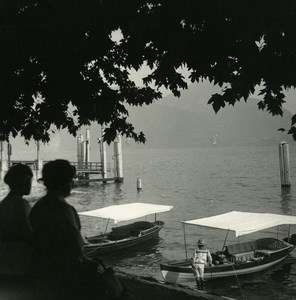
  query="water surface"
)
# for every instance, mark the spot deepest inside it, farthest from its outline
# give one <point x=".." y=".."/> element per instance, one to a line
<point x="198" y="182"/>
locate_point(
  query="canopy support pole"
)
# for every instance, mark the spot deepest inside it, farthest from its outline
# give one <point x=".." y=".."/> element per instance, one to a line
<point x="185" y="240"/>
<point x="277" y="232"/>
<point x="289" y="232"/>
<point x="154" y="217"/>
<point x="225" y="239"/>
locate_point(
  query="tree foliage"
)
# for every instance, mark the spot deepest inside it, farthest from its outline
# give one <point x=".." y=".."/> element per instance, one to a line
<point x="61" y="65"/>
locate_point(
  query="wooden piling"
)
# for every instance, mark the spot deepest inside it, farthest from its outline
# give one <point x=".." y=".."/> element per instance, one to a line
<point x="87" y="148"/>
<point x="9" y="153"/>
<point x="87" y="152"/>
<point x="1" y="150"/>
<point x="80" y="151"/>
<point x="39" y="162"/>
<point x="103" y="155"/>
<point x="83" y="153"/>
<point x="1" y="157"/>
<point x="284" y="158"/>
<point x="118" y="170"/>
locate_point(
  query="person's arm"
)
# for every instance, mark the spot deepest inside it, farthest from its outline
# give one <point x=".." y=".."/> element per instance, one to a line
<point x="75" y="237"/>
<point x="194" y="257"/>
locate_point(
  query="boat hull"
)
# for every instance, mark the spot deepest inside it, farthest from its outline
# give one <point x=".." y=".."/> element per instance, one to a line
<point x="181" y="271"/>
<point x="109" y="246"/>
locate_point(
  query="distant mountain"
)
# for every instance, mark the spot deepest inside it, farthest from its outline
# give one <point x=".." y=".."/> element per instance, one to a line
<point x="189" y="121"/>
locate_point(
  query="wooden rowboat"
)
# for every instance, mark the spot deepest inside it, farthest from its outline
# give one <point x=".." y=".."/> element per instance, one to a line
<point x="126" y="236"/>
<point x="240" y="258"/>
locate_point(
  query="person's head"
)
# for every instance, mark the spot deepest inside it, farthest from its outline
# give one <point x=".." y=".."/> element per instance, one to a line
<point x="57" y="176"/>
<point x="19" y="179"/>
<point x="201" y="243"/>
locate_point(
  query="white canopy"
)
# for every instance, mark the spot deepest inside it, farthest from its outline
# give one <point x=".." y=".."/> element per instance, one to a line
<point x="244" y="222"/>
<point x="124" y="212"/>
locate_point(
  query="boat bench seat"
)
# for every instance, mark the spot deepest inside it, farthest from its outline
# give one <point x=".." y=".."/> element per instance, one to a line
<point x="260" y="244"/>
<point x="252" y="250"/>
<point x="240" y="248"/>
<point x="126" y="231"/>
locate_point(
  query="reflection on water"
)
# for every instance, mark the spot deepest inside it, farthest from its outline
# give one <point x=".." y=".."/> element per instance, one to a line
<point x="118" y="193"/>
<point x="287" y="197"/>
<point x="145" y="254"/>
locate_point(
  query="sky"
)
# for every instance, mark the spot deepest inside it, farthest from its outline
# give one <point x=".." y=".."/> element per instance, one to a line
<point x="290" y="99"/>
<point x="20" y="150"/>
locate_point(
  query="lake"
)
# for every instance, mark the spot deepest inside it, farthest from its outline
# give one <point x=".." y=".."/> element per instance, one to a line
<point x="198" y="182"/>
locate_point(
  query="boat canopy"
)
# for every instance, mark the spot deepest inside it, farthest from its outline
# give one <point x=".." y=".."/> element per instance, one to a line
<point x="125" y="212"/>
<point x="244" y="222"/>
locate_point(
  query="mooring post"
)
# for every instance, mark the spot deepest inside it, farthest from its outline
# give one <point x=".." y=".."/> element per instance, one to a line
<point x="9" y="153"/>
<point x="284" y="164"/>
<point x="78" y="151"/>
<point x="39" y="162"/>
<point x="118" y="170"/>
<point x="103" y="155"/>
<point x="1" y="157"/>
<point x="83" y="152"/>
<point x="87" y="148"/>
<point x="4" y="163"/>
<point x="87" y="152"/>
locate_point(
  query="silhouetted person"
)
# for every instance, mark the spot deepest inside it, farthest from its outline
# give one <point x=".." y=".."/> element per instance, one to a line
<point x="15" y="228"/>
<point x="55" y="223"/>
<point x="58" y="242"/>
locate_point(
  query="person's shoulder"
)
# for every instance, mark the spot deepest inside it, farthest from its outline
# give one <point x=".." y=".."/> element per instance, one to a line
<point x="72" y="209"/>
<point x="65" y="208"/>
<point x="14" y="201"/>
<point x="23" y="203"/>
<point x="39" y="201"/>
<point x="65" y="205"/>
<point x="2" y="202"/>
<point x="38" y="205"/>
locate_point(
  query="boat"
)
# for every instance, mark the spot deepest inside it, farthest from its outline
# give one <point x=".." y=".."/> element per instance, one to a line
<point x="125" y="236"/>
<point x="239" y="258"/>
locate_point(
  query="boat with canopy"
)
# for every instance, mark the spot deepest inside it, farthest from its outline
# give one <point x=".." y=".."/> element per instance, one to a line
<point x="240" y="258"/>
<point x="125" y="236"/>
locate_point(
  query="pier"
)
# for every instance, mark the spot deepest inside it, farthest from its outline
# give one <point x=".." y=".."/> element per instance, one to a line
<point x="87" y="171"/>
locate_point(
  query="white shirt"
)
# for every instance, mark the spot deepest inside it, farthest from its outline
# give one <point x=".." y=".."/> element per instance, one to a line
<point x="202" y="256"/>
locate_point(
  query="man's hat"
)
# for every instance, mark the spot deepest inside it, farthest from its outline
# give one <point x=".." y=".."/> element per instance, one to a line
<point x="201" y="242"/>
<point x="57" y="172"/>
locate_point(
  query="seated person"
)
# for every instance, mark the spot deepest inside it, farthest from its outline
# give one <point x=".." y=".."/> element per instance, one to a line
<point x="59" y="259"/>
<point x="55" y="223"/>
<point x="15" y="228"/>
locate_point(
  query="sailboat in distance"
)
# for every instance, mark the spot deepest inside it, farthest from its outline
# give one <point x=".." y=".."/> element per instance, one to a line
<point x="214" y="139"/>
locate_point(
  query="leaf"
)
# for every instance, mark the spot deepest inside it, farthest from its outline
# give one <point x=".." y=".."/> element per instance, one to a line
<point x="293" y="120"/>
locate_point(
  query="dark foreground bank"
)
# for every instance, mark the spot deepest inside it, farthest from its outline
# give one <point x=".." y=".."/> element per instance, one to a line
<point x="142" y="288"/>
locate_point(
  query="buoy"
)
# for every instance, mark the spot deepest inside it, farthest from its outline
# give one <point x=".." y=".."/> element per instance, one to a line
<point x="139" y="184"/>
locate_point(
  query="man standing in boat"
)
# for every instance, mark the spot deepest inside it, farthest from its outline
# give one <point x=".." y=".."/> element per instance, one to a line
<point x="200" y="257"/>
